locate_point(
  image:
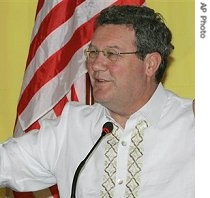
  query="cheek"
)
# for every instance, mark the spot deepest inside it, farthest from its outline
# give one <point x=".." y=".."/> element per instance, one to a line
<point x="122" y="77"/>
<point x="88" y="67"/>
<point x="118" y="68"/>
<point x="125" y="70"/>
<point x="133" y="77"/>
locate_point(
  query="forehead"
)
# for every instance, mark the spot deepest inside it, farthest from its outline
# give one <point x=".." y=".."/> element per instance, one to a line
<point x="120" y="36"/>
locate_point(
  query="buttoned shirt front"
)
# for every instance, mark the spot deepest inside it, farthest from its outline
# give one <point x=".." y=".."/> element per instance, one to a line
<point x="40" y="159"/>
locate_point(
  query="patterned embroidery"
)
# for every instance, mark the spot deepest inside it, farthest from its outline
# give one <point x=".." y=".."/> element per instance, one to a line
<point x="110" y="164"/>
<point x="134" y="162"/>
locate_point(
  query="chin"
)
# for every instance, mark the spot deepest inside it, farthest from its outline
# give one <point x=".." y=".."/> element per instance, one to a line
<point x="101" y="96"/>
<point x="99" y="100"/>
<point x="102" y="100"/>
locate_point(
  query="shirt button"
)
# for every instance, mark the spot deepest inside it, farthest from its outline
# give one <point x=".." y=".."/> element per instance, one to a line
<point x="124" y="143"/>
<point x="119" y="181"/>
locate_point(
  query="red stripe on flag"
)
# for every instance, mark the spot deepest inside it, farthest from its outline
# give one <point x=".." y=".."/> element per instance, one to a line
<point x="35" y="125"/>
<point x="54" y="191"/>
<point x="74" y="94"/>
<point x="59" y="106"/>
<point x="129" y="2"/>
<point x="39" y="6"/>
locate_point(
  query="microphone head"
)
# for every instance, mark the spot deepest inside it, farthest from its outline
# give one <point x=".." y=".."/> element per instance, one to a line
<point x="107" y="128"/>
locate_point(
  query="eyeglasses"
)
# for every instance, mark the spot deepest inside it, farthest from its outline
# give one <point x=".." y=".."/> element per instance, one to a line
<point x="110" y="53"/>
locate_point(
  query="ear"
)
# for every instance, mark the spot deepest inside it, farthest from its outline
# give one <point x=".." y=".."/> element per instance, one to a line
<point x="152" y="62"/>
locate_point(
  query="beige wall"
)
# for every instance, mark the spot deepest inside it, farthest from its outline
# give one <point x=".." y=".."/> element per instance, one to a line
<point x="180" y="17"/>
<point x="16" y="21"/>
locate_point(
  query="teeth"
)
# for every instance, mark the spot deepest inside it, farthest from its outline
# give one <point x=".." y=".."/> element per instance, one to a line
<point x="100" y="80"/>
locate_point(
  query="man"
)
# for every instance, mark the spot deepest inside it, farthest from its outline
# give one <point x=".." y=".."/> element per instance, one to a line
<point x="150" y="152"/>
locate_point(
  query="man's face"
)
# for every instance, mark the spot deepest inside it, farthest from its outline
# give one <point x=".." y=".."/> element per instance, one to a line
<point x="120" y="82"/>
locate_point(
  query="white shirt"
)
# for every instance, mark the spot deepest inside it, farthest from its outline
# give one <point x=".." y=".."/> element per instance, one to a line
<point x="40" y="159"/>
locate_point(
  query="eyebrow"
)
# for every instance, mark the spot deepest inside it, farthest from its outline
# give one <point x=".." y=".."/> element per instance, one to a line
<point x="111" y="46"/>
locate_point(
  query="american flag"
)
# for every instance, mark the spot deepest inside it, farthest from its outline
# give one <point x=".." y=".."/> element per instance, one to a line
<point x="55" y="70"/>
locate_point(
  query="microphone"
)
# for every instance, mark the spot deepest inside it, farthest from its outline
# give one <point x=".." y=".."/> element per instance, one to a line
<point x="106" y="129"/>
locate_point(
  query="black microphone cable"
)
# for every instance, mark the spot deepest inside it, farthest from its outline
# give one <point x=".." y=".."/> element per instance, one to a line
<point x="106" y="129"/>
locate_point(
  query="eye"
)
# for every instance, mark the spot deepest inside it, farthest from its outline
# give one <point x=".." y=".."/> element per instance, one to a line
<point x="111" y="54"/>
<point x="93" y="53"/>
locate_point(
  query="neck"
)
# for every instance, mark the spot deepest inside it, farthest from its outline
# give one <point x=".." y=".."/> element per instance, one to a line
<point x="122" y="112"/>
<point x="119" y="118"/>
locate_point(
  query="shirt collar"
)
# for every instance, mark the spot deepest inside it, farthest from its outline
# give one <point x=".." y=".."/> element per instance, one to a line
<point x="152" y="110"/>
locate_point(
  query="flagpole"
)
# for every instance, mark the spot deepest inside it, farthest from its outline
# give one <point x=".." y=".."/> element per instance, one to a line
<point x="89" y="94"/>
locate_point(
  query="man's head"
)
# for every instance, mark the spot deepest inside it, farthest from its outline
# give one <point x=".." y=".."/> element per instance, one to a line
<point x="152" y="35"/>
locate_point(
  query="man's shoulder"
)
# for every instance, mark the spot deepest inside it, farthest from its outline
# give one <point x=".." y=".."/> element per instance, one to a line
<point x="178" y="102"/>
